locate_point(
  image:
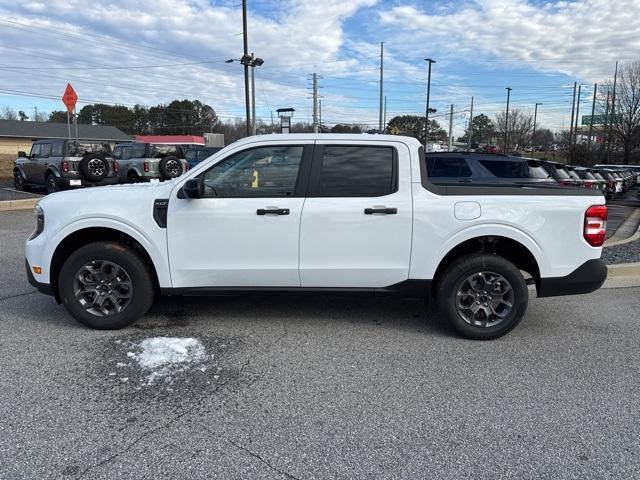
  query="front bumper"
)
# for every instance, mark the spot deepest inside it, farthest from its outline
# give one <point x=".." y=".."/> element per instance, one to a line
<point x="587" y="278"/>
<point x="45" y="288"/>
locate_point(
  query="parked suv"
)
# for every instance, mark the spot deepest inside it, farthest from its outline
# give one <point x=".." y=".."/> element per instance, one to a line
<point x="58" y="164"/>
<point x="144" y="162"/>
<point x="482" y="168"/>
<point x="559" y="172"/>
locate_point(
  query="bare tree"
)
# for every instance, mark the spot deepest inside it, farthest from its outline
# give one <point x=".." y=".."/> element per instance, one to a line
<point x="625" y="123"/>
<point x="8" y="113"/>
<point x="520" y="128"/>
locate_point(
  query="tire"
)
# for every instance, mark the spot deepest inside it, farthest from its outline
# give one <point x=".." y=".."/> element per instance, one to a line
<point x="115" y="270"/>
<point x="171" y="167"/>
<point x="480" y="282"/>
<point x="132" y="177"/>
<point x="94" y="167"/>
<point x="51" y="184"/>
<point x="18" y="181"/>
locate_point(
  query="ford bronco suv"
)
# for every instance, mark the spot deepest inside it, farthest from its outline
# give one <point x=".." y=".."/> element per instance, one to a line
<point x="305" y="212"/>
<point x="145" y="162"/>
<point x="58" y="164"/>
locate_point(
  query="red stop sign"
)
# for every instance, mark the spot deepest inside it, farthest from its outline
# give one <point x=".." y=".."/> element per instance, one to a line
<point x="69" y="98"/>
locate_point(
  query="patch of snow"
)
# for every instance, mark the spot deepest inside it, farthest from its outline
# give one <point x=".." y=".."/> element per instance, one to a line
<point x="163" y="357"/>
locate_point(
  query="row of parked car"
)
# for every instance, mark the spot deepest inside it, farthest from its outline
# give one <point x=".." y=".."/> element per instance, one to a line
<point x="58" y="164"/>
<point x="487" y="168"/>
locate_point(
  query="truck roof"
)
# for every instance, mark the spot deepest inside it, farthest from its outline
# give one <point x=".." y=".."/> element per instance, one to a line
<point x="347" y="137"/>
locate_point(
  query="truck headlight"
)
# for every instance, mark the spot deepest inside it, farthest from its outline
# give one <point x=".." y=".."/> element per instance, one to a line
<point x="39" y="222"/>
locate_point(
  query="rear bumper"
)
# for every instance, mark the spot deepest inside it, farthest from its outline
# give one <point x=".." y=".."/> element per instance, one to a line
<point x="587" y="278"/>
<point x="66" y="182"/>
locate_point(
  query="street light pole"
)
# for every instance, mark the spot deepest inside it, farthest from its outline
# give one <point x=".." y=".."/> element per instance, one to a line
<point x="246" y="67"/>
<point x="506" y="122"/>
<point x="253" y="97"/>
<point x="533" y="135"/>
<point x="575" y="137"/>
<point x="593" y="112"/>
<point x="426" y="115"/>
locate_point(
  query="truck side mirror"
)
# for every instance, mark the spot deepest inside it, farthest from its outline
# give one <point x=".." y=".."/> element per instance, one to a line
<point x="193" y="188"/>
<point x="21" y="154"/>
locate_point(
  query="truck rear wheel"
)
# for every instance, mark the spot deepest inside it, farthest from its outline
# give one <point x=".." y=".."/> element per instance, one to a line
<point x="106" y="285"/>
<point x="483" y="296"/>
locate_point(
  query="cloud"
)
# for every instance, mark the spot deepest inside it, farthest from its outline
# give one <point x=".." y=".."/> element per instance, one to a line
<point x="578" y="38"/>
<point x="78" y="40"/>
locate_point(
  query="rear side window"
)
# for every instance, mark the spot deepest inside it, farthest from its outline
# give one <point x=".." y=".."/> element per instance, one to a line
<point x="355" y="171"/>
<point x="504" y="169"/>
<point x="438" y="167"/>
<point x="137" y="150"/>
<point x="45" y="150"/>
<point x="56" y="149"/>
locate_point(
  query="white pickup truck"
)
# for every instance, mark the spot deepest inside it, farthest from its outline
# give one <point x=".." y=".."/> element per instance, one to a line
<point x="318" y="213"/>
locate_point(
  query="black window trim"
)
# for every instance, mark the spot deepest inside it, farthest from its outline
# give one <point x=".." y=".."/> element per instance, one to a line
<point x="302" y="180"/>
<point x="316" y="168"/>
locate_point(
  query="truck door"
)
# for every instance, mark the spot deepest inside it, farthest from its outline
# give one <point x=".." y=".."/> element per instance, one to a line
<point x="244" y="231"/>
<point x="357" y="218"/>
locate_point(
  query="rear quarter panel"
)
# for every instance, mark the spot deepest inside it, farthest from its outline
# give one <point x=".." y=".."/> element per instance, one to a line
<point x="550" y="227"/>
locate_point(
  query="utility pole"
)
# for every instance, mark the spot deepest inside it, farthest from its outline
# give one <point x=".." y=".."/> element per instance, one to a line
<point x="506" y="122"/>
<point x="35" y="118"/>
<point x="470" y="128"/>
<point x="573" y="109"/>
<point x="426" y="116"/>
<point x="451" y="129"/>
<point x="246" y="66"/>
<point x="593" y="112"/>
<point x="606" y="123"/>
<point x="575" y="137"/>
<point x="315" y="103"/>
<point x="320" y="112"/>
<point x="384" y="122"/>
<point x="533" y="135"/>
<point x="253" y="98"/>
<point x="613" y="111"/>
<point x="380" y="124"/>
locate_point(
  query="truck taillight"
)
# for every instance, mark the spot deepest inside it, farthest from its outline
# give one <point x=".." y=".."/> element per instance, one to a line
<point x="595" y="225"/>
<point x="146" y="166"/>
<point x="116" y="166"/>
<point x="65" y="166"/>
<point x="588" y="184"/>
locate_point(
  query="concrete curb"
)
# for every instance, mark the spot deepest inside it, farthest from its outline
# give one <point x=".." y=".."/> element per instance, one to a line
<point x="628" y="225"/>
<point x="23" y="204"/>
<point x="623" y="275"/>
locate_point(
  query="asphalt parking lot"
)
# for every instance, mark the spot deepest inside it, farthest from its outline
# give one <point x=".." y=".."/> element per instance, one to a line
<point x="316" y="387"/>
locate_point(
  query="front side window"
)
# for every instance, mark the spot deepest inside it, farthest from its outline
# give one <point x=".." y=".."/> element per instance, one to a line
<point x="35" y="150"/>
<point x="257" y="172"/>
<point x="439" y="167"/>
<point x="356" y="171"/>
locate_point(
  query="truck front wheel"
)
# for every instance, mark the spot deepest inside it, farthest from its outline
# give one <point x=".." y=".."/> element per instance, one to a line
<point x="483" y="296"/>
<point x="106" y="285"/>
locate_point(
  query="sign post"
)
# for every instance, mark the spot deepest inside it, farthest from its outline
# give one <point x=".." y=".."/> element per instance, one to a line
<point x="69" y="99"/>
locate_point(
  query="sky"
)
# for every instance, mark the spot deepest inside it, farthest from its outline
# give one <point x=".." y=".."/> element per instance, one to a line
<point x="153" y="51"/>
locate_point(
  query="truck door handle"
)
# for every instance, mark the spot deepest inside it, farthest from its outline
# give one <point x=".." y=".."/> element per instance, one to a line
<point x="384" y="210"/>
<point x="272" y="211"/>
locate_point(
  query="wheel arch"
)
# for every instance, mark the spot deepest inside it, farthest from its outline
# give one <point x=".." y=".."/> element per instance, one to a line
<point x="84" y="236"/>
<point x="506" y="247"/>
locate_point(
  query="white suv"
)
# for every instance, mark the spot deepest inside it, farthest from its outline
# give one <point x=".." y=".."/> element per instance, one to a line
<point x="318" y="212"/>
